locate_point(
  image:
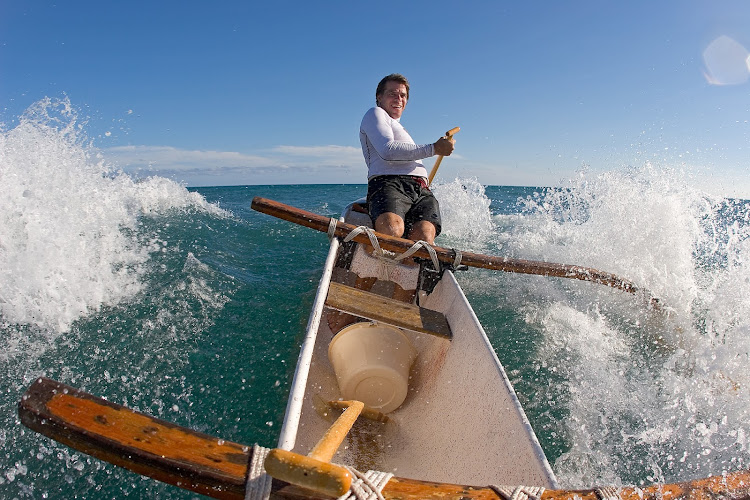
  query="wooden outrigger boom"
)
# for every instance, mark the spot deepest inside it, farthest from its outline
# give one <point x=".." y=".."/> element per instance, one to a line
<point x="447" y="255"/>
<point x="218" y="468"/>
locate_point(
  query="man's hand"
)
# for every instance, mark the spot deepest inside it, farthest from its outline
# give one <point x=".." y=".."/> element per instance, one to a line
<point x="444" y="147"/>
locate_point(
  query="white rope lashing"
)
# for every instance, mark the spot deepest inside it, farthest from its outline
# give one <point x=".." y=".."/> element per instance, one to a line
<point x="370" y="234"/>
<point x="258" y="485"/>
<point x="385" y="258"/>
<point x="416" y="246"/>
<point x="331" y="228"/>
<point x="608" y="493"/>
<point x="367" y="486"/>
<point x="381" y="253"/>
<point x="457" y="259"/>
<point x="518" y="492"/>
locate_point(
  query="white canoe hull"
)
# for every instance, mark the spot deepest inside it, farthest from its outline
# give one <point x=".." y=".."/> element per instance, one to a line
<point x="461" y="421"/>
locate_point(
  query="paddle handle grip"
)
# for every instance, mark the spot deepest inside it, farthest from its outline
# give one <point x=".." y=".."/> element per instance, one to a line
<point x="308" y="472"/>
<point x="434" y="170"/>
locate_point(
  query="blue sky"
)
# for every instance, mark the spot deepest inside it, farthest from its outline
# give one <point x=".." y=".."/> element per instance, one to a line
<point x="221" y="93"/>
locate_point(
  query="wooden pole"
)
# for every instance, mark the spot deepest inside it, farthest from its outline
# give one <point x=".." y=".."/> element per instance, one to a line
<point x="434" y="170"/>
<point x="334" y="436"/>
<point x="447" y="255"/>
<point x="218" y="468"/>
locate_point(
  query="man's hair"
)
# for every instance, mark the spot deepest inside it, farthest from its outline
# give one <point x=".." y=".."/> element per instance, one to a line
<point x="393" y="77"/>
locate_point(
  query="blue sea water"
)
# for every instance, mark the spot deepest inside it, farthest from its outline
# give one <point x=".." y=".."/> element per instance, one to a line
<point x="187" y="305"/>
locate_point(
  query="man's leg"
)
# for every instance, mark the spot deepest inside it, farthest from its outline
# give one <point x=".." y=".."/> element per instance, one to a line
<point x="423" y="230"/>
<point x="390" y="224"/>
<point x="393" y="225"/>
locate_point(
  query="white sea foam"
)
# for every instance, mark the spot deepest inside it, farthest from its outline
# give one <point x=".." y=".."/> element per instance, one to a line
<point x="639" y="395"/>
<point x="67" y="221"/>
<point x="650" y="394"/>
<point x="465" y="211"/>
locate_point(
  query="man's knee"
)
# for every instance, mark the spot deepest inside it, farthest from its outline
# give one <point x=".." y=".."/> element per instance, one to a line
<point x="423" y="230"/>
<point x="390" y="223"/>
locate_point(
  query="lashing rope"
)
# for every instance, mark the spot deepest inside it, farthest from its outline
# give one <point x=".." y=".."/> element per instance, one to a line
<point x="385" y="258"/>
<point x="331" y="228"/>
<point x="370" y="234"/>
<point x="416" y="246"/>
<point x="608" y="493"/>
<point x="258" y="484"/>
<point x="518" y="492"/>
<point x="389" y="255"/>
<point x="457" y="257"/>
<point x="368" y="486"/>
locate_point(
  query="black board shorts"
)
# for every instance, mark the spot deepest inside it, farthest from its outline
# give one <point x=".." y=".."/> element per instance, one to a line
<point x="405" y="196"/>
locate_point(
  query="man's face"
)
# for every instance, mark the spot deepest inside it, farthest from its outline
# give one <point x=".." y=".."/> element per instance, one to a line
<point x="393" y="99"/>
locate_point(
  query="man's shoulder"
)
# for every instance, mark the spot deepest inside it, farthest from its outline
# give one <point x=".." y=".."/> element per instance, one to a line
<point x="377" y="113"/>
<point x="378" y="117"/>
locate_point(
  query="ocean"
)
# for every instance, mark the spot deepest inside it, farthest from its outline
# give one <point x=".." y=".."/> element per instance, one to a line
<point x="187" y="305"/>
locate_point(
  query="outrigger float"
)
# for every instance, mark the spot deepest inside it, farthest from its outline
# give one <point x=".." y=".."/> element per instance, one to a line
<point x="395" y="377"/>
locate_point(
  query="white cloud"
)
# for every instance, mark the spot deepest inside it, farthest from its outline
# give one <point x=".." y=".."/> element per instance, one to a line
<point x="279" y="165"/>
<point x="339" y="152"/>
<point x="155" y="156"/>
<point x="334" y="164"/>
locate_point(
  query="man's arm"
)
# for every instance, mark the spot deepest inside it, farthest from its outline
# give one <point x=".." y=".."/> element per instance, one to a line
<point x="376" y="125"/>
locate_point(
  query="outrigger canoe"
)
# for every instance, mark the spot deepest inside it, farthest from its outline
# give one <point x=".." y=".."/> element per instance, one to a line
<point x="428" y="410"/>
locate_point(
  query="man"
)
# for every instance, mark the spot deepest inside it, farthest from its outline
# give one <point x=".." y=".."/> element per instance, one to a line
<point x="399" y="199"/>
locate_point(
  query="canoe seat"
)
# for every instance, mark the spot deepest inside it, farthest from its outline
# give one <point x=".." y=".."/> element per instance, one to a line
<point x="387" y="310"/>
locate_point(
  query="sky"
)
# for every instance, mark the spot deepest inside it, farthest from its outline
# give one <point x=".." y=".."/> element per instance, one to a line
<point x="245" y="92"/>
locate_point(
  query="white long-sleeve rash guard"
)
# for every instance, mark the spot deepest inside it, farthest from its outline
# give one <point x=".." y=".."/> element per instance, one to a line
<point x="388" y="148"/>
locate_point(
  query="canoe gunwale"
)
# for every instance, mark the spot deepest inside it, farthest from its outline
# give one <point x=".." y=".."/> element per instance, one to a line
<point x="289" y="429"/>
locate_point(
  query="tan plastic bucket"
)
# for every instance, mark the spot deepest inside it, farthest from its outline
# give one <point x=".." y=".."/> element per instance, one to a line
<point x="372" y="363"/>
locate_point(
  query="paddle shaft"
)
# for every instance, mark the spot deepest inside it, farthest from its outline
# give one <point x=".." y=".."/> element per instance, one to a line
<point x="434" y="170"/>
<point x="334" y="436"/>
<point x="392" y="243"/>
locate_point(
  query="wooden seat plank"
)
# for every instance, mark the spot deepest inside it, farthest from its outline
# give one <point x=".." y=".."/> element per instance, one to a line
<point x="386" y="310"/>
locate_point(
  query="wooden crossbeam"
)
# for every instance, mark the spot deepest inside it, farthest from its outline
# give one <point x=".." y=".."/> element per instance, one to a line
<point x="386" y="310"/>
<point x="219" y="469"/>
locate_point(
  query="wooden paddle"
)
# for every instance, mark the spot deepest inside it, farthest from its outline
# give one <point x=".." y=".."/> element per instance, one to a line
<point x="434" y="170"/>
<point x="447" y="255"/>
